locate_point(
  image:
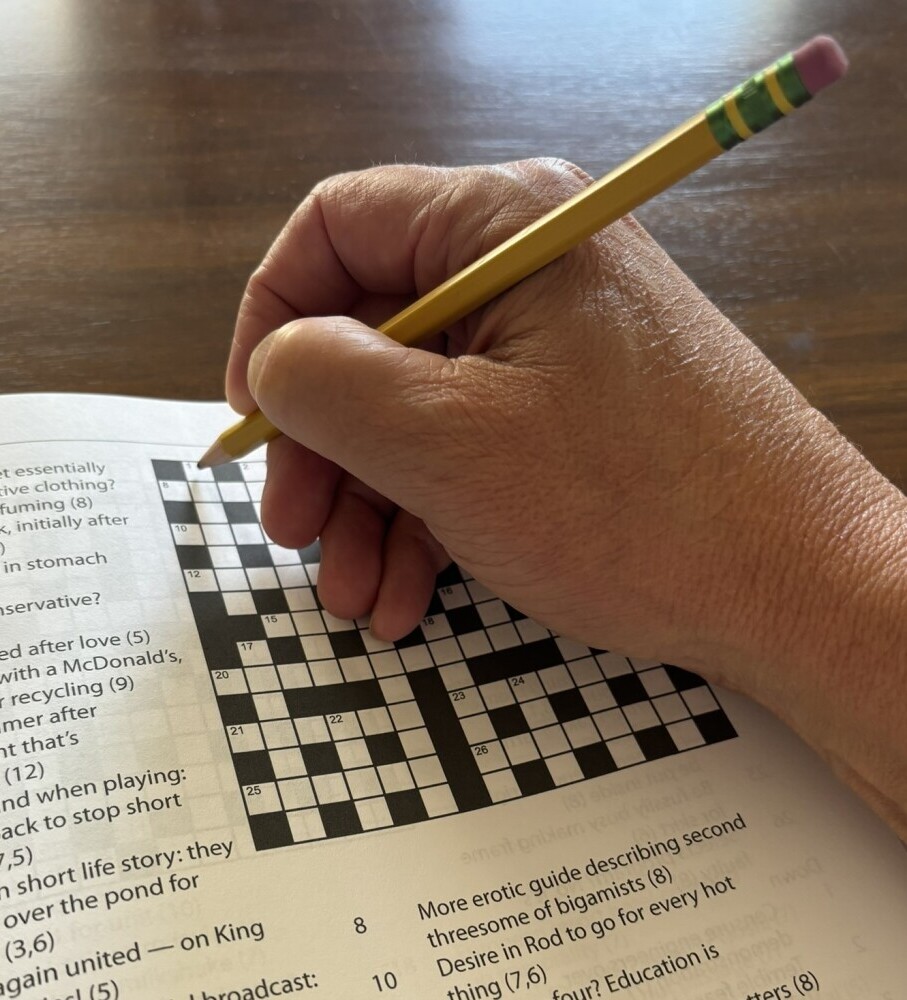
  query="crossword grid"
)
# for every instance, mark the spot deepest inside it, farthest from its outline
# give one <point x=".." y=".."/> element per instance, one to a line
<point x="333" y="732"/>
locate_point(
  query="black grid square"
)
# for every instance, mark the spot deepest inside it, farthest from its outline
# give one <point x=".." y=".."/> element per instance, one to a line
<point x="515" y="616"/>
<point x="533" y="776"/>
<point x="594" y="760"/>
<point x="449" y="577"/>
<point x="568" y="705"/>
<point x="464" y="620"/>
<point x="340" y="819"/>
<point x="172" y="471"/>
<point x="254" y="555"/>
<point x="270" y="830"/>
<point x="229" y="473"/>
<point x="181" y="512"/>
<point x="240" y="513"/>
<point x="193" y="557"/>
<point x="286" y="649"/>
<point x="270" y="602"/>
<point x="385" y="748"/>
<point x="347" y="643"/>
<point x="627" y="689"/>
<point x="508" y="721"/>
<point x="321" y="758"/>
<point x="253" y="767"/>
<point x="406" y="807"/>
<point x="682" y="679"/>
<point x="414" y="638"/>
<point x="237" y="709"/>
<point x="655" y="742"/>
<point x="715" y="727"/>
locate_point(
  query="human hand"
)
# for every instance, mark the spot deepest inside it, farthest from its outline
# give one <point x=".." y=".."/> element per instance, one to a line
<point x="599" y="446"/>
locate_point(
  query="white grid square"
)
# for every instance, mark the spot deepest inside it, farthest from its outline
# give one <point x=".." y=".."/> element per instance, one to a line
<point x="175" y="490"/>
<point x="325" y="672"/>
<point x="502" y="786"/>
<point x="611" y="723"/>
<point x="598" y="697"/>
<point x="262" y="578"/>
<point x="454" y="596"/>
<point x="225" y="557"/>
<point x="253" y="653"/>
<point x="496" y="694"/>
<point x="445" y="651"/>
<point x="330" y="787"/>
<point x="467" y="702"/>
<point x="492" y="612"/>
<point x="291" y="577"/>
<point x="670" y="708"/>
<point x="556" y="678"/>
<point x="261" y="798"/>
<point x="585" y="671"/>
<point x="278" y="626"/>
<point x="375" y="720"/>
<point x="551" y="741"/>
<point x="489" y="756"/>
<point x="435" y="627"/>
<point x="539" y="713"/>
<point x="395" y="689"/>
<point x="571" y="650"/>
<point x="373" y="814"/>
<point x="503" y="636"/>
<point x="700" y="700"/>
<point x="478" y="728"/>
<point x="200" y="580"/>
<point x="239" y="602"/>
<point x="531" y="631"/>
<point x="427" y="771"/>
<point x="232" y="492"/>
<point x="685" y="734"/>
<point x="271" y="706"/>
<point x="386" y="664"/>
<point x="474" y="644"/>
<point x="641" y="715"/>
<point x="564" y="769"/>
<point x="613" y="665"/>
<point x="308" y="623"/>
<point x="211" y="513"/>
<point x="396" y="777"/>
<point x="625" y="751"/>
<point x="406" y="715"/>
<point x="356" y="668"/>
<point x="287" y="762"/>
<point x="478" y="591"/>
<point x="262" y="679"/>
<point x="353" y="753"/>
<point x="438" y="801"/>
<point x="230" y="682"/>
<point x="217" y="534"/>
<point x="204" y="492"/>
<point x="417" y="658"/>
<point x="363" y="782"/>
<point x="248" y="534"/>
<point x="520" y="749"/>
<point x="344" y="726"/>
<point x="231" y="579"/>
<point x="526" y="687"/>
<point x="245" y="738"/>
<point x="416" y="743"/>
<point x="312" y="729"/>
<point x="455" y="675"/>
<point x="656" y="681"/>
<point x="297" y="793"/>
<point x="581" y="732"/>
<point x="317" y="647"/>
<point x="305" y="824"/>
<point x="294" y="675"/>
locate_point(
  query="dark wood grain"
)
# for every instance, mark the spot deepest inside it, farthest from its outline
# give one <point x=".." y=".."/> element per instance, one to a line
<point x="151" y="149"/>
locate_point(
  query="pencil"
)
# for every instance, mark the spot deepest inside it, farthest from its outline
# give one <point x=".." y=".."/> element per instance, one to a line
<point x="749" y="108"/>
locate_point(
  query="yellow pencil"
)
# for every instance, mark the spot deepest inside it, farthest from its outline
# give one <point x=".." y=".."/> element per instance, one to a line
<point x="751" y="107"/>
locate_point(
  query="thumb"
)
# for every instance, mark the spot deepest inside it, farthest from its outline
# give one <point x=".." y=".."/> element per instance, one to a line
<point x="376" y="408"/>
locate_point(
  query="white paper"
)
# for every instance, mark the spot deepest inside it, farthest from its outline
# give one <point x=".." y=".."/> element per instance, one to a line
<point x="739" y="870"/>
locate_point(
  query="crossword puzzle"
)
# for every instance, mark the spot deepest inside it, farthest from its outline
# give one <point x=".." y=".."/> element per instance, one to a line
<point x="333" y="732"/>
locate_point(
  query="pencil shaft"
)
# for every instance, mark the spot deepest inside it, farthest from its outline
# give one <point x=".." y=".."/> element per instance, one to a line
<point x="651" y="171"/>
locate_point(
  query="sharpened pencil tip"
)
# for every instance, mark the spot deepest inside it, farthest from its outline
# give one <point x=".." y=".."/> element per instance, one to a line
<point x="215" y="455"/>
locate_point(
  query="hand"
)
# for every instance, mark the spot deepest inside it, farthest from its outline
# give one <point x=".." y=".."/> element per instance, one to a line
<point x="599" y="446"/>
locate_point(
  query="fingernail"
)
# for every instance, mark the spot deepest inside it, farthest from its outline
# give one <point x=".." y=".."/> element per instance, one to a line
<point x="257" y="363"/>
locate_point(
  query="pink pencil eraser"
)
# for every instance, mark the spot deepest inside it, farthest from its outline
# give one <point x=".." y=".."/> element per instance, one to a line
<point x="820" y="62"/>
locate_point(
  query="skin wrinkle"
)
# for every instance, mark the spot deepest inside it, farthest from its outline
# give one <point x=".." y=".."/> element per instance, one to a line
<point x="614" y="458"/>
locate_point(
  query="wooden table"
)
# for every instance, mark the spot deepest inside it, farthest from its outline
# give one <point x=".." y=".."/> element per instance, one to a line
<point x="151" y="149"/>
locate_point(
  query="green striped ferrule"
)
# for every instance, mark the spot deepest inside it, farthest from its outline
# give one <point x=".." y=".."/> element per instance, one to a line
<point x="755" y="104"/>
